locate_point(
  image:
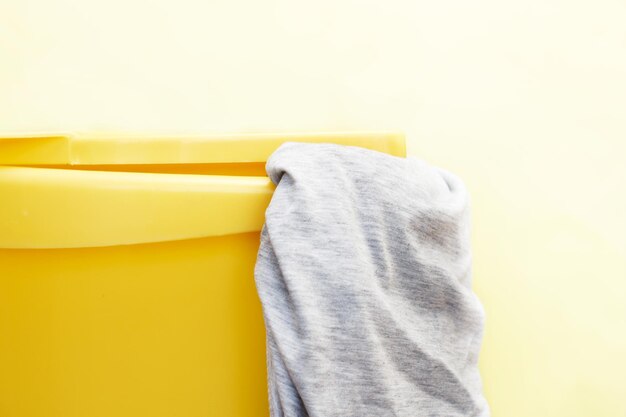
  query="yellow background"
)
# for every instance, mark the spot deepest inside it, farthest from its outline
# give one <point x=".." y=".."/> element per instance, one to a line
<point x="525" y="100"/>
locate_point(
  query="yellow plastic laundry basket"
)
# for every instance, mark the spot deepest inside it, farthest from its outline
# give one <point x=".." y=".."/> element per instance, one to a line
<point x="126" y="273"/>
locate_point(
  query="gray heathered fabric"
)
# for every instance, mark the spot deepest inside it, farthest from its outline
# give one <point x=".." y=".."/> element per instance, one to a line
<point x="364" y="277"/>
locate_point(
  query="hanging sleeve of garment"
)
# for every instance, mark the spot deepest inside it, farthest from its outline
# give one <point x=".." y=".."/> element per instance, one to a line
<point x="364" y="275"/>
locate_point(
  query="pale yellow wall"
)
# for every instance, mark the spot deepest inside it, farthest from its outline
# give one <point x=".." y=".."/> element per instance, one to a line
<point x="525" y="100"/>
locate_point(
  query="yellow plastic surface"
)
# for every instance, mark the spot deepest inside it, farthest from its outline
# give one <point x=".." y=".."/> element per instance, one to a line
<point x="152" y="330"/>
<point x="83" y="204"/>
<point x="58" y="208"/>
<point x="94" y="149"/>
<point x="131" y="293"/>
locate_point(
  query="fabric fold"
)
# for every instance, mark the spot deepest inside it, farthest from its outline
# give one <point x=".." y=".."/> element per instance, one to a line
<point x="364" y="275"/>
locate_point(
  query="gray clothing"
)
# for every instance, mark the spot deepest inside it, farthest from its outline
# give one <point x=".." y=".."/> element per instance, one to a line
<point x="364" y="274"/>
